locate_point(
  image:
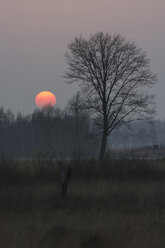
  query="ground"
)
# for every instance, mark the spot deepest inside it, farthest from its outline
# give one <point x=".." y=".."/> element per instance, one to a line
<point x="115" y="204"/>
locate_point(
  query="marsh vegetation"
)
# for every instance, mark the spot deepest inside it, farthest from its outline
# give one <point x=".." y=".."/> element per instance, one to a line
<point x="117" y="203"/>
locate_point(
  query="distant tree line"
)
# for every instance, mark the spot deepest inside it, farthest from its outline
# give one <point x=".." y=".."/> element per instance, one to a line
<point x="50" y="131"/>
<point x="69" y="132"/>
<point x="139" y="134"/>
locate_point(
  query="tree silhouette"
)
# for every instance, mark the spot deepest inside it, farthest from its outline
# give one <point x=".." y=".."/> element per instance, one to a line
<point x="114" y="76"/>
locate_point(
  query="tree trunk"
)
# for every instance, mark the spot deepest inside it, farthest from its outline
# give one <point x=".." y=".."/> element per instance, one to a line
<point x="103" y="145"/>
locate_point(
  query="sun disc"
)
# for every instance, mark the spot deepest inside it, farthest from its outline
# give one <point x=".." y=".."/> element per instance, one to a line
<point x="45" y="98"/>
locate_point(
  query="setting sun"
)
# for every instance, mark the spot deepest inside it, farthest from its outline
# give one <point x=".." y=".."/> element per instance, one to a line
<point x="45" y="98"/>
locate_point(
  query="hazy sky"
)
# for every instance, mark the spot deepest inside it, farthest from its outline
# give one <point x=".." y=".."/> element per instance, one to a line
<point x="34" y="35"/>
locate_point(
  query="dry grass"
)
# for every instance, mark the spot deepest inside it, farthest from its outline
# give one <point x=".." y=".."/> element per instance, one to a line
<point x="101" y="210"/>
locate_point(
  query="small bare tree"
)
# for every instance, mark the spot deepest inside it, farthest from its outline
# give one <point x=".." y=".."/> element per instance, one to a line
<point x="65" y="178"/>
<point x="114" y="76"/>
<point x="76" y="110"/>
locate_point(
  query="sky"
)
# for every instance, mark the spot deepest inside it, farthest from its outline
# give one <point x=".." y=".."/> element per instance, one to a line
<point x="34" y="35"/>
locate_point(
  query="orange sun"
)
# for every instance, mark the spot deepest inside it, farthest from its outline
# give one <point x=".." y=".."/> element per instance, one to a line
<point x="45" y="98"/>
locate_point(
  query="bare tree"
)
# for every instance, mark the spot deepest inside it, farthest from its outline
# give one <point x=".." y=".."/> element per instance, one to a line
<point x="114" y="76"/>
<point x="65" y="178"/>
<point x="76" y="109"/>
<point x="76" y="105"/>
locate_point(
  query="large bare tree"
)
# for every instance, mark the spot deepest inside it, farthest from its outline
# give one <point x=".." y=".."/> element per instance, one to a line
<point x="114" y="77"/>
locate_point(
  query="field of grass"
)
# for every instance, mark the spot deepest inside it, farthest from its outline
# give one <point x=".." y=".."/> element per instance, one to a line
<point x="116" y="203"/>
